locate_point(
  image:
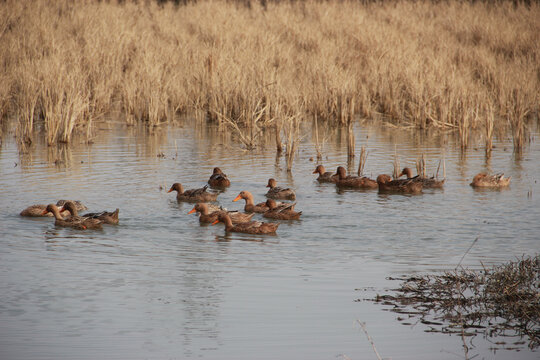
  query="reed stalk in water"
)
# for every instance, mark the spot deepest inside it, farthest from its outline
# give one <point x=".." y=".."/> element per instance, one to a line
<point x="362" y="162"/>
<point x="397" y="168"/>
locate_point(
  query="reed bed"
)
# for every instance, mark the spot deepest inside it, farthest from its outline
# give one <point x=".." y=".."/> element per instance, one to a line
<point x="447" y="65"/>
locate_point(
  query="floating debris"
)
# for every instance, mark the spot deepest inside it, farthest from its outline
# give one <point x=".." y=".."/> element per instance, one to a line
<point x="499" y="301"/>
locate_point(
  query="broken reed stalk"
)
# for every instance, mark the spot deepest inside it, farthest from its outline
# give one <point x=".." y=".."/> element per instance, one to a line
<point x="363" y="326"/>
<point x="489" y="125"/>
<point x="277" y="135"/>
<point x="397" y="168"/>
<point x="363" y="159"/>
<point x="318" y="147"/>
<point x="350" y="139"/>
<point x="292" y="130"/>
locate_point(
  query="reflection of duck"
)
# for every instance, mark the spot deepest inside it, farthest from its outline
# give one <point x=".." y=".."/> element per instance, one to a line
<point x="353" y="181"/>
<point x="251" y="227"/>
<point x="37" y="210"/>
<point x="250" y="205"/>
<point x="283" y="212"/>
<point x="325" y="176"/>
<point x="104" y="216"/>
<point x="276" y="192"/>
<point x="193" y="194"/>
<point x="490" y="181"/>
<point x="426" y="182"/>
<point x="76" y="222"/>
<point x="386" y="184"/>
<point x="210" y="217"/>
<point x="219" y="179"/>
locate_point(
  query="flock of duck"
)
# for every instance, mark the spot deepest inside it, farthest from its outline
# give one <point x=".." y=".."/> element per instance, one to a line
<point x="66" y="212"/>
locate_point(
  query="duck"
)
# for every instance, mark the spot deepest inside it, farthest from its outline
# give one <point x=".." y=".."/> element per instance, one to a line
<point x="219" y="179"/>
<point x="251" y="227"/>
<point x="490" y="181"/>
<point x="325" y="176"/>
<point x="283" y="212"/>
<point x="107" y="217"/>
<point x="193" y="195"/>
<point x="250" y="206"/>
<point x="76" y="222"/>
<point x="209" y="217"/>
<point x="426" y="182"/>
<point x="276" y="192"/>
<point x="350" y="181"/>
<point x="37" y="210"/>
<point x="386" y="184"/>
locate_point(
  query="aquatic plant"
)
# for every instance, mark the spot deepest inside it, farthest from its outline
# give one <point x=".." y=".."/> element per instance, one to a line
<point x="499" y="301"/>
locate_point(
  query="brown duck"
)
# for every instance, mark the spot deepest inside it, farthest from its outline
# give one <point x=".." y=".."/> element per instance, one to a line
<point x="386" y="184"/>
<point x="37" y="210"/>
<point x="210" y="217"/>
<point x="490" y="181"/>
<point x="426" y="182"/>
<point x="283" y="212"/>
<point x="250" y="205"/>
<point x="251" y="227"/>
<point x="193" y="195"/>
<point x="76" y="222"/>
<point x="218" y="179"/>
<point x="106" y="217"/>
<point x="356" y="182"/>
<point x="325" y="176"/>
<point x="276" y="192"/>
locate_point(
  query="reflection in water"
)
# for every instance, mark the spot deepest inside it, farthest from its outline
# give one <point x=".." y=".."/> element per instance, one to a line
<point x="159" y="285"/>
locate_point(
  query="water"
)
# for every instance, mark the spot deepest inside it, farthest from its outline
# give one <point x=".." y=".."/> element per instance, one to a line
<point x="159" y="285"/>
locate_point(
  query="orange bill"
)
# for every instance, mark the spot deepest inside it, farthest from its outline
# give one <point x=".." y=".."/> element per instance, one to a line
<point x="192" y="211"/>
<point x="215" y="222"/>
<point x="237" y="198"/>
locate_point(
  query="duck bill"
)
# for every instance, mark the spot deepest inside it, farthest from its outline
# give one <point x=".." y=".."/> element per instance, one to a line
<point x="192" y="211"/>
<point x="315" y="172"/>
<point x="215" y="222"/>
<point x="171" y="189"/>
<point x="237" y="198"/>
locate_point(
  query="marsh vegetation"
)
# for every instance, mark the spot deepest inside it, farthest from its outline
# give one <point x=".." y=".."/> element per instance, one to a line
<point x="499" y="301"/>
<point x="456" y="65"/>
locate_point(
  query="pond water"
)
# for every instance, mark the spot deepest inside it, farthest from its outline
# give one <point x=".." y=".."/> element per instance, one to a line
<point x="159" y="285"/>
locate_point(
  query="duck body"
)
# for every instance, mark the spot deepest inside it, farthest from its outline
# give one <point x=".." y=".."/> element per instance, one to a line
<point x="251" y="227"/>
<point x="284" y="212"/>
<point x="276" y="192"/>
<point x="325" y="176"/>
<point x="107" y="217"/>
<point x="38" y="210"/>
<point x="75" y="222"/>
<point x="430" y="183"/>
<point x="250" y="206"/>
<point x="205" y="216"/>
<point x="386" y="184"/>
<point x="219" y="179"/>
<point x="356" y="182"/>
<point x="483" y="180"/>
<point x="193" y="195"/>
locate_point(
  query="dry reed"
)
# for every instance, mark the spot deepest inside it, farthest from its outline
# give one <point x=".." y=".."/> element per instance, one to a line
<point x="64" y="64"/>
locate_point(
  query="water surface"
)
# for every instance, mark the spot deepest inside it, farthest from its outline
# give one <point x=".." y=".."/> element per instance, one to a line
<point x="159" y="285"/>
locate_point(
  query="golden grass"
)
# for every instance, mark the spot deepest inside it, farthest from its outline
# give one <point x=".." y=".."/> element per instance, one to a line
<point x="454" y="64"/>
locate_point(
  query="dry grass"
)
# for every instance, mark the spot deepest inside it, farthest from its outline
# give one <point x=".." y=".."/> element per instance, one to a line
<point x="455" y="64"/>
